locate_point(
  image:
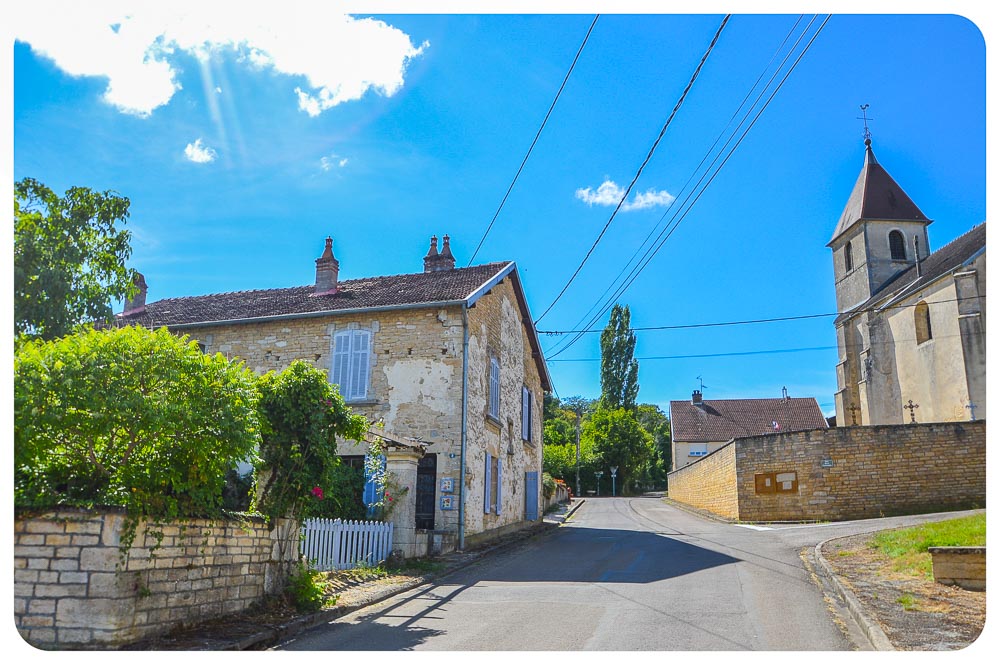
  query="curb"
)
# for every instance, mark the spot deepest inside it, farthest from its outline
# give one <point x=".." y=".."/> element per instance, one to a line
<point x="876" y="636"/>
<point x="298" y="625"/>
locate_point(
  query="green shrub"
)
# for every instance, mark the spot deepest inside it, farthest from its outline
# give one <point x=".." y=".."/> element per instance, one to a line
<point x="306" y="589"/>
<point x="129" y="417"/>
<point x="548" y="485"/>
<point x="302" y="414"/>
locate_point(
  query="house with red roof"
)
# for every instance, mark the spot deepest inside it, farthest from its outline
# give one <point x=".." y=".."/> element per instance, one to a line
<point x="701" y="426"/>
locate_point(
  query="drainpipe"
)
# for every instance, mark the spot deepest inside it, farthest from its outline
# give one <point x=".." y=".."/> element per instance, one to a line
<point x="465" y="418"/>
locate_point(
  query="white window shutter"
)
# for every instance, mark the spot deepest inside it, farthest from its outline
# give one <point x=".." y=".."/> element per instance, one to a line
<point x="494" y="388"/>
<point x="486" y="486"/>
<point x="499" y="483"/>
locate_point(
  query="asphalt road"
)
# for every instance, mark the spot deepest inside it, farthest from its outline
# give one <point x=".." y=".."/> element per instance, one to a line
<point x="622" y="574"/>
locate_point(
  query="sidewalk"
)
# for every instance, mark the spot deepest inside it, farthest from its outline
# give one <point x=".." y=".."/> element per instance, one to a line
<point x="268" y="626"/>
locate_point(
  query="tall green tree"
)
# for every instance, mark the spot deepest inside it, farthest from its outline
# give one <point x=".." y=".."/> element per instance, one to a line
<point x="656" y="423"/>
<point x="69" y="258"/>
<point x="620" y="441"/>
<point x="619" y="369"/>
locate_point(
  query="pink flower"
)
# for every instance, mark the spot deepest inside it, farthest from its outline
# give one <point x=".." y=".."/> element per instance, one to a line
<point x="318" y="492"/>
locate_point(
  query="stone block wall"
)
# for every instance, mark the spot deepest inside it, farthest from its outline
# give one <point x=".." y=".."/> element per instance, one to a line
<point x="708" y="484"/>
<point x="843" y="473"/>
<point x="73" y="589"/>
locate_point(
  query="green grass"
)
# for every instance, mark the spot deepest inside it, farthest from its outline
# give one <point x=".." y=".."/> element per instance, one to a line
<point x="908" y="547"/>
<point x="907" y="601"/>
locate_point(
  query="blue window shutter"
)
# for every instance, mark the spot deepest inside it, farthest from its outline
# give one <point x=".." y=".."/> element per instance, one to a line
<point x="360" y="345"/>
<point x="341" y="360"/>
<point x="499" y="485"/>
<point x="370" y="496"/>
<point x="486" y="486"/>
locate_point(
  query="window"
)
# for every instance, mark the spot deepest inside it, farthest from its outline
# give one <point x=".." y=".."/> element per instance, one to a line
<point x="698" y="450"/>
<point x="897" y="246"/>
<point x="526" y="420"/>
<point x="351" y="353"/>
<point x="848" y="258"/>
<point x="492" y="486"/>
<point x="922" y="322"/>
<point x="494" y="405"/>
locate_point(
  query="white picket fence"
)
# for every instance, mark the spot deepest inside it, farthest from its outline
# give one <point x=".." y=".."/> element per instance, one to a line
<point x="330" y="544"/>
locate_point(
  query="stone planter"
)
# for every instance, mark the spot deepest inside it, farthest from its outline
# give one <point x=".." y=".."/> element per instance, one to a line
<point x="963" y="567"/>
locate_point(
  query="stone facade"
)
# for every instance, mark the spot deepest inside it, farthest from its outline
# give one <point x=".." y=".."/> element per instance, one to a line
<point x="415" y="389"/>
<point x="841" y="473"/>
<point x="73" y="589"/>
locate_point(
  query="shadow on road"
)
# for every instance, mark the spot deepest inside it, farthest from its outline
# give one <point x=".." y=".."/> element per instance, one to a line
<point x="598" y="555"/>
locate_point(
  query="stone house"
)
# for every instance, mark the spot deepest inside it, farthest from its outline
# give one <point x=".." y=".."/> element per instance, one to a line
<point x="911" y="335"/>
<point x="702" y="426"/>
<point x="447" y="360"/>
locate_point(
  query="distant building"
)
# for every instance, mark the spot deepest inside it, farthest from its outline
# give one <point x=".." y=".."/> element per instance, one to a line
<point x="911" y="335"/>
<point x="447" y="359"/>
<point x="702" y="426"/>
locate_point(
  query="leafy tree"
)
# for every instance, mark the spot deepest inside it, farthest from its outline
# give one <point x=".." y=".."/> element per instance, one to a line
<point x="619" y="369"/>
<point x="69" y="258"/>
<point x="302" y="414"/>
<point x="129" y="417"/>
<point x="619" y="440"/>
<point x="655" y="422"/>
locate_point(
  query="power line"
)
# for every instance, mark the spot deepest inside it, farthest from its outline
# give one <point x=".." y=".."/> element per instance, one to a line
<point x="533" y="142"/>
<point x="680" y="216"/>
<point x="649" y="156"/>
<point x="754" y="321"/>
<point x="708" y="153"/>
<point x="703" y="355"/>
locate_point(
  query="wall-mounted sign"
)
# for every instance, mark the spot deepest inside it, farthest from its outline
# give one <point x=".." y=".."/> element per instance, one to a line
<point x="447" y="503"/>
<point x="448" y="485"/>
<point x="826" y="463"/>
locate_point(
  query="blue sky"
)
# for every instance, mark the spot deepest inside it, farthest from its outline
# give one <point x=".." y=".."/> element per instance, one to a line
<point x="384" y="130"/>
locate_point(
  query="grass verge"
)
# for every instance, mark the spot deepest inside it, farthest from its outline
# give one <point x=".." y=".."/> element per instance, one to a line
<point x="907" y="548"/>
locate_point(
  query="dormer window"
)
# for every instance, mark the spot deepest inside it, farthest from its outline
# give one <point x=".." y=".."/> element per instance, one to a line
<point x="848" y="258"/>
<point x="897" y="246"/>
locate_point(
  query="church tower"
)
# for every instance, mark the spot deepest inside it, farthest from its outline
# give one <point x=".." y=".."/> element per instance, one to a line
<point x="881" y="233"/>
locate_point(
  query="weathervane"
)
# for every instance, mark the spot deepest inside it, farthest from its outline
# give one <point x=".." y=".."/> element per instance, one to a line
<point x="864" y="113"/>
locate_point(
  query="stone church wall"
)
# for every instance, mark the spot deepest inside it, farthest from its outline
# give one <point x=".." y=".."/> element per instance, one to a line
<point x="842" y="473"/>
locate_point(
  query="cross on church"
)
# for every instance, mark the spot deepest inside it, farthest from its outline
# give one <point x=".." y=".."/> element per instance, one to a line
<point x="911" y="406"/>
<point x="971" y="406"/>
<point x="864" y="112"/>
<point x="853" y="408"/>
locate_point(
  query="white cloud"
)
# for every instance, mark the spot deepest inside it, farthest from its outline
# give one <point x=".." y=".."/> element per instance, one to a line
<point x="327" y="163"/>
<point x="609" y="194"/>
<point x="198" y="153"/>
<point x="133" y="45"/>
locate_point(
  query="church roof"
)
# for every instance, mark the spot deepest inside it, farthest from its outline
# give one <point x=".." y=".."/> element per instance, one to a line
<point x="876" y="196"/>
<point x="956" y="253"/>
<point x="724" y="419"/>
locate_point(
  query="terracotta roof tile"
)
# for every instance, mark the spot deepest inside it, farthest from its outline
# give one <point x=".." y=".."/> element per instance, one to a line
<point x="369" y="292"/>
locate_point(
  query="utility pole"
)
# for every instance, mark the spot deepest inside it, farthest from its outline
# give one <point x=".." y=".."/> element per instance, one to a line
<point x="578" y="450"/>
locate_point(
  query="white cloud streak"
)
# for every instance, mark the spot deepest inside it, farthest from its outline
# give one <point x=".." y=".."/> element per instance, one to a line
<point x="610" y="193"/>
<point x="134" y="45"/>
<point x="198" y="153"/>
<point x="327" y="163"/>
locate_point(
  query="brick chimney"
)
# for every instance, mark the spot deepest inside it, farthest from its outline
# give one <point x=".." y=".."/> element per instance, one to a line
<point x="435" y="261"/>
<point x="137" y="303"/>
<point x="696" y="398"/>
<point x="327" y="270"/>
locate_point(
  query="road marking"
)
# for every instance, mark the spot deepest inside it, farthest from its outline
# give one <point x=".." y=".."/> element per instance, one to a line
<point x="755" y="527"/>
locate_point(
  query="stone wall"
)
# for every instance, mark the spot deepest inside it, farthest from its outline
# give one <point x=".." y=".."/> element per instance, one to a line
<point x="842" y="473"/>
<point x="496" y="329"/>
<point x="74" y="590"/>
<point x="708" y="484"/>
